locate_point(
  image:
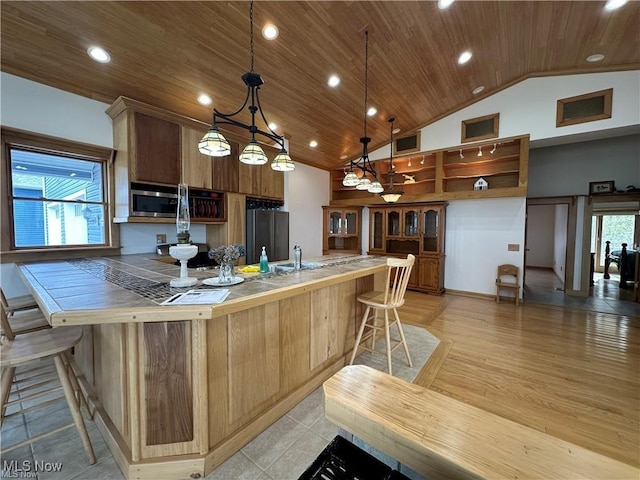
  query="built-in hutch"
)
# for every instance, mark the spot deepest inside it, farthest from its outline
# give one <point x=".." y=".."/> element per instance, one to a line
<point x="399" y="230"/>
<point x="341" y="227"/>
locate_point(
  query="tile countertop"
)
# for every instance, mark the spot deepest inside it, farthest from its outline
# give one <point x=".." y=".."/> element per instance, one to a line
<point x="130" y="288"/>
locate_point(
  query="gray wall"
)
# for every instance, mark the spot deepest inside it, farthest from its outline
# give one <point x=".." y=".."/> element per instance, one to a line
<point x="568" y="169"/>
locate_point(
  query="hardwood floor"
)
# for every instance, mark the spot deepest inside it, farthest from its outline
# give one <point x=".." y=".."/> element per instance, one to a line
<point x="573" y="374"/>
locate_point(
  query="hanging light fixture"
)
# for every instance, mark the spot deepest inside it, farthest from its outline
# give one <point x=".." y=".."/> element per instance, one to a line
<point x="363" y="164"/>
<point x="390" y="195"/>
<point x="214" y="144"/>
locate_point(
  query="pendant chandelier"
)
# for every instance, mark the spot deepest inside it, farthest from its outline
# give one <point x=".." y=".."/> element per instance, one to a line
<point x="363" y="164"/>
<point x="214" y="144"/>
<point x="390" y="195"/>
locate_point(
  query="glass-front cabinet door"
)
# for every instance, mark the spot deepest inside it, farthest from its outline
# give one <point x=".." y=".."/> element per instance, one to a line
<point x="335" y="223"/>
<point x="411" y="222"/>
<point x="376" y="226"/>
<point x="393" y="223"/>
<point x="430" y="230"/>
<point x="350" y="226"/>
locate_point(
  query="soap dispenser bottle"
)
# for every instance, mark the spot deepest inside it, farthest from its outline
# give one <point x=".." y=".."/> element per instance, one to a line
<point x="264" y="261"/>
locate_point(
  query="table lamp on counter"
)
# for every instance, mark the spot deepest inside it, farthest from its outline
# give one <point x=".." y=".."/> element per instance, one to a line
<point x="184" y="250"/>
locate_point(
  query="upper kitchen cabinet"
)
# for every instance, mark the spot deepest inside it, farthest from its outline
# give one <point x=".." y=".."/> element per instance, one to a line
<point x="261" y="180"/>
<point x="196" y="167"/>
<point x="147" y="143"/>
<point x="225" y="170"/>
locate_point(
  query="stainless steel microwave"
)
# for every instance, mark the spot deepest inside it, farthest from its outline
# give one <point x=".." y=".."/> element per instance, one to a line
<point x="153" y="201"/>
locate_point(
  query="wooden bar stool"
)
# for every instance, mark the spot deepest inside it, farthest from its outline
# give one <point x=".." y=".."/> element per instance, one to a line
<point x="23" y="315"/>
<point x="43" y="345"/>
<point x="398" y="272"/>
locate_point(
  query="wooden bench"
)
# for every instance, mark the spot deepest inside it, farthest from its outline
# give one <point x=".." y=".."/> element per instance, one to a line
<point x="442" y="438"/>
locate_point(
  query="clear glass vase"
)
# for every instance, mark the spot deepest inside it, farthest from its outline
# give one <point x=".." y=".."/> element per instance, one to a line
<point x="227" y="273"/>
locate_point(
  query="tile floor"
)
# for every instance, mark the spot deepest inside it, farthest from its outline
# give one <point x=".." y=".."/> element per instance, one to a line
<point x="543" y="286"/>
<point x="281" y="452"/>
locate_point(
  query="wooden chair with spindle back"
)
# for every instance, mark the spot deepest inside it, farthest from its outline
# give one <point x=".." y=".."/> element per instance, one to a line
<point x="42" y="345"/>
<point x="398" y="272"/>
<point x="509" y="278"/>
<point x="23" y="314"/>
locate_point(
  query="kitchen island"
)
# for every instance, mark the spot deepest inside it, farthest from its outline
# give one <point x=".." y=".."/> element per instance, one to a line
<point x="179" y="389"/>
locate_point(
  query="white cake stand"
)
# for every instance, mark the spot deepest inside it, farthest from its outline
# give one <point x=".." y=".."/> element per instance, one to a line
<point x="183" y="253"/>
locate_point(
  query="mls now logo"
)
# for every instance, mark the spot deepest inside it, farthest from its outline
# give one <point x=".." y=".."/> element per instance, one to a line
<point x="28" y="468"/>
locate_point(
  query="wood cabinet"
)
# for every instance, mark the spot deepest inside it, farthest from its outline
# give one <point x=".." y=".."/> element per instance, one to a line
<point x="341" y="230"/>
<point x="157" y="150"/>
<point x="416" y="229"/>
<point x="260" y="180"/>
<point x="449" y="174"/>
<point x="196" y="167"/>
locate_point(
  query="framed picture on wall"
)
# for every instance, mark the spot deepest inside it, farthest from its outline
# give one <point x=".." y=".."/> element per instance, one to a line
<point x="596" y="188"/>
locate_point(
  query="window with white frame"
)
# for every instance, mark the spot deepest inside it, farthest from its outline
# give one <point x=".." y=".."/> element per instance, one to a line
<point x="56" y="192"/>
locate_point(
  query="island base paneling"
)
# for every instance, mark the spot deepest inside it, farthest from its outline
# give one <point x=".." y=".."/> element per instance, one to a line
<point x="175" y="399"/>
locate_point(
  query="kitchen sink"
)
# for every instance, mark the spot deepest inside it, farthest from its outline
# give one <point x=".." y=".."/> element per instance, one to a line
<point x="289" y="267"/>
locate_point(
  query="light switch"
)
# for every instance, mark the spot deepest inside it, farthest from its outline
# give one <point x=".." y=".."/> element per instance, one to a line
<point x="513" y="247"/>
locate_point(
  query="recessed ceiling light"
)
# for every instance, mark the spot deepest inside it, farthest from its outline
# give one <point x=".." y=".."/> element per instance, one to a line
<point x="270" y="32"/>
<point x="313" y="144"/>
<point x="596" y="57"/>
<point x="333" y="81"/>
<point x="477" y="90"/>
<point x="273" y="126"/>
<point x="464" y="57"/>
<point x="442" y="4"/>
<point x="372" y="111"/>
<point x="396" y="130"/>
<point x="99" y="54"/>
<point x="614" y="4"/>
<point x="343" y="157"/>
<point x="204" y="99"/>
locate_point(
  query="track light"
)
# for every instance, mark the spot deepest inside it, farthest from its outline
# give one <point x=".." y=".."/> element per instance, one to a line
<point x="494" y="148"/>
<point x="479" y="151"/>
<point x="461" y="155"/>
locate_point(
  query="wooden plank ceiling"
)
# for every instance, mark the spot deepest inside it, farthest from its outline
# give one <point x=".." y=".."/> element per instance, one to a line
<point x="166" y="53"/>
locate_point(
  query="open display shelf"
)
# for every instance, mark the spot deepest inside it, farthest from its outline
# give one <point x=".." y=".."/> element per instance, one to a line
<point x="449" y="174"/>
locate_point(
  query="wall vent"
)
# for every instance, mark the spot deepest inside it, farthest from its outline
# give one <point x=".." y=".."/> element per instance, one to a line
<point x="408" y="144"/>
<point x="480" y="128"/>
<point x="584" y="108"/>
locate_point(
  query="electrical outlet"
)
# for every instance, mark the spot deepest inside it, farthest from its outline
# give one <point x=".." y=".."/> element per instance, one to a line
<point x="161" y="238"/>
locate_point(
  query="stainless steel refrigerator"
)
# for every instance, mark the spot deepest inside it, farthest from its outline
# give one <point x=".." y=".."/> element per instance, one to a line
<point x="271" y="229"/>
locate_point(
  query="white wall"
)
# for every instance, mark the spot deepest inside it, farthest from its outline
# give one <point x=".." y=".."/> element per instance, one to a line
<point x="38" y="108"/>
<point x="560" y="217"/>
<point x="567" y="169"/>
<point x="529" y="107"/>
<point x="540" y="236"/>
<point x="306" y="191"/>
<point x="477" y="235"/>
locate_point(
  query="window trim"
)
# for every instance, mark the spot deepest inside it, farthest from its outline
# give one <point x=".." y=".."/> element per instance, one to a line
<point x="38" y="143"/>
<point x="607" y="96"/>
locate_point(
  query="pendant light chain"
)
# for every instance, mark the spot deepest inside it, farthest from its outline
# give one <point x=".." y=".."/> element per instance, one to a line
<point x="251" y="33"/>
<point x="366" y="78"/>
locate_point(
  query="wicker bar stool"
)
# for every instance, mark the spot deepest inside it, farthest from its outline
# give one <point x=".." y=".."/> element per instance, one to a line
<point x="398" y="272"/>
<point x="41" y="346"/>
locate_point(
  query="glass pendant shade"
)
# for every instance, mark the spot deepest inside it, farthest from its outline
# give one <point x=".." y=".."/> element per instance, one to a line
<point x="282" y="162"/>
<point x="350" y="179"/>
<point x="391" y="197"/>
<point x="253" y="154"/>
<point x="183" y="218"/>
<point x="214" y="144"/>
<point x="364" y="183"/>
<point x="376" y="187"/>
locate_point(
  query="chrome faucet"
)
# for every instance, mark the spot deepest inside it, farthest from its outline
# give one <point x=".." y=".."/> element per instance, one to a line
<point x="297" y="257"/>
